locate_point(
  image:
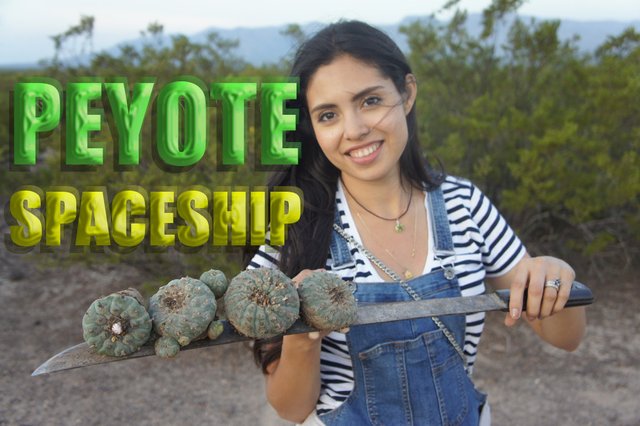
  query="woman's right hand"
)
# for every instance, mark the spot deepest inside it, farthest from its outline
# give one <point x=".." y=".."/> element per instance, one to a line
<point x="314" y="336"/>
<point x="304" y="274"/>
<point x="293" y="380"/>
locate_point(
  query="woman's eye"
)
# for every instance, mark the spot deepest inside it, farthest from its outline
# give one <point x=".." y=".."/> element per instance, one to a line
<point x="326" y="116"/>
<point x="372" y="100"/>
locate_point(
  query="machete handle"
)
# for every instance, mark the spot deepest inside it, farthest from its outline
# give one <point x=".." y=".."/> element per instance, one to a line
<point x="580" y="295"/>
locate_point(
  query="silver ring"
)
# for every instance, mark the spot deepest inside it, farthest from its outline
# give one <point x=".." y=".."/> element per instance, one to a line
<point x="555" y="284"/>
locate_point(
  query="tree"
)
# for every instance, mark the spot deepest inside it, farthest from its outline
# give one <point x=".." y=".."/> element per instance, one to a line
<point x="550" y="134"/>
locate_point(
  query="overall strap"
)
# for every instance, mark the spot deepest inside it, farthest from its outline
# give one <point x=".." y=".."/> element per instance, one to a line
<point x="444" y="252"/>
<point x="340" y="253"/>
<point x="441" y="230"/>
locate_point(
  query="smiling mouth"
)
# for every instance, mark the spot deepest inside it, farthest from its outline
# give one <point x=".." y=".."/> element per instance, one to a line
<point x="367" y="150"/>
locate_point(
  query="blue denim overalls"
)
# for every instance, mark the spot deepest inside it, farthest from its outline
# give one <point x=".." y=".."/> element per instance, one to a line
<point x="407" y="372"/>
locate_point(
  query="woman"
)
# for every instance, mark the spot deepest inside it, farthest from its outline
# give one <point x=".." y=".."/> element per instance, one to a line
<point x="377" y="215"/>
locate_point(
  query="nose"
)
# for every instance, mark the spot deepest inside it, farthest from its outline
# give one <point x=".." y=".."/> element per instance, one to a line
<point x="355" y="127"/>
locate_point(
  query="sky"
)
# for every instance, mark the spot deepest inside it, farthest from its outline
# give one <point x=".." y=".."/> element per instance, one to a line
<point x="26" y="26"/>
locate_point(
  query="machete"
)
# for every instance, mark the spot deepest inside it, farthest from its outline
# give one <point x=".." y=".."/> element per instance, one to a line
<point x="82" y="356"/>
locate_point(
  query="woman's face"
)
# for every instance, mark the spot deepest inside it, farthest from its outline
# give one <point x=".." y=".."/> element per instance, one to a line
<point x="359" y="118"/>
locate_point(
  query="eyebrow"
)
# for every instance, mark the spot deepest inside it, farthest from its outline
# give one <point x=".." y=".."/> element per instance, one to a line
<point x="356" y="96"/>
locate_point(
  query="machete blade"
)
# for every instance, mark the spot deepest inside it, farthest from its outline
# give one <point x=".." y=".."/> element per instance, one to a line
<point x="82" y="356"/>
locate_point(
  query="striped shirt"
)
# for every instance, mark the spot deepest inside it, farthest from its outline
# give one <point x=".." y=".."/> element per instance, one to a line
<point x="484" y="245"/>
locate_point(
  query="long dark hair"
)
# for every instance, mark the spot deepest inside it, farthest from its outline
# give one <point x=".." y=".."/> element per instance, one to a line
<point x="307" y="242"/>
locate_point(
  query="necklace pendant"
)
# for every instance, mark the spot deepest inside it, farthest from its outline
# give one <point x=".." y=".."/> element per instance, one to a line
<point x="408" y="275"/>
<point x="399" y="227"/>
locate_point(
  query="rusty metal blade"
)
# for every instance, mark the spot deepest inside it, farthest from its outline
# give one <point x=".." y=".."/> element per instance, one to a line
<point x="82" y="356"/>
<point x="386" y="312"/>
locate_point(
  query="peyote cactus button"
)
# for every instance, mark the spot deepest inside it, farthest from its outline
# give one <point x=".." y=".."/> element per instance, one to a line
<point x="327" y="301"/>
<point x="216" y="281"/>
<point x="182" y="309"/>
<point x="261" y="303"/>
<point x="166" y="347"/>
<point x="117" y="325"/>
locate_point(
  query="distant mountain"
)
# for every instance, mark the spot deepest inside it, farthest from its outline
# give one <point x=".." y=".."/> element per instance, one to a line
<point x="264" y="45"/>
<point x="267" y="45"/>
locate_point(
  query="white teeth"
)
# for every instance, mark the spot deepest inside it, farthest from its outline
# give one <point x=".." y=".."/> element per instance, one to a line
<point x="363" y="152"/>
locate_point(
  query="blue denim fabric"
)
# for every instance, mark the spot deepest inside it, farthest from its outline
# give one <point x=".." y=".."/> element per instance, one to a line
<point x="407" y="372"/>
<point x="340" y="253"/>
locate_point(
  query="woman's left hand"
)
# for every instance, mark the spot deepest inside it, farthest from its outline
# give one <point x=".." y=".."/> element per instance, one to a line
<point x="537" y="276"/>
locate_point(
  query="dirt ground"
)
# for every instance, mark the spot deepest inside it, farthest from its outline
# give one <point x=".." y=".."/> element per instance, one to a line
<point x="528" y="383"/>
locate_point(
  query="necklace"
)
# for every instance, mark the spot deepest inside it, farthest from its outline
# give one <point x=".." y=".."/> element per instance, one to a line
<point x="399" y="227"/>
<point x="407" y="274"/>
<point x="415" y="296"/>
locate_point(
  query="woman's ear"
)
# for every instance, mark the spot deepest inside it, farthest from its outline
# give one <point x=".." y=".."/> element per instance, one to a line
<point x="411" y="90"/>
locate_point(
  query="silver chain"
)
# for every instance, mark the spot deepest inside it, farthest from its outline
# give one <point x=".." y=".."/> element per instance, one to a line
<point x="406" y="287"/>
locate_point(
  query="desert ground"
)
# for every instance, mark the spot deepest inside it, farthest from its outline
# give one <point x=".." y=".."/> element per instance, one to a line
<point x="528" y="383"/>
